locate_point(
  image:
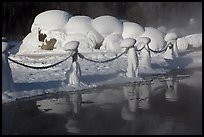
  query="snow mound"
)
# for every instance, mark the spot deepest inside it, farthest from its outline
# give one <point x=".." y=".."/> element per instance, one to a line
<point x="82" y="25"/>
<point x="194" y="39"/>
<point x="106" y="25"/>
<point x="112" y="42"/>
<point x="51" y="19"/>
<point x="156" y="36"/>
<point x="78" y="24"/>
<point x="132" y="30"/>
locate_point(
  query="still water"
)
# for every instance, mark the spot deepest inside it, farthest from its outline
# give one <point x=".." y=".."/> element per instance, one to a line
<point x="160" y="106"/>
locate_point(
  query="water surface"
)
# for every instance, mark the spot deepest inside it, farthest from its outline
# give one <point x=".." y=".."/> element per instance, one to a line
<point x="170" y="105"/>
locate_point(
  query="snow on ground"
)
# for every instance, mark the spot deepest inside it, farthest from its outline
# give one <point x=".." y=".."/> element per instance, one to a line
<point x="106" y="31"/>
<point x="32" y="82"/>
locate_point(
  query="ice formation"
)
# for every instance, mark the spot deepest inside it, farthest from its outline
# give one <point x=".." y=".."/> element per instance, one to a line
<point x="172" y="50"/>
<point x="145" y="57"/>
<point x="7" y="79"/>
<point x="132" y="69"/>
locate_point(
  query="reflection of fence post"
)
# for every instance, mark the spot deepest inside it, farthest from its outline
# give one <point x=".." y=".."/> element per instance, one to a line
<point x="132" y="69"/>
<point x="7" y="79"/>
<point x="74" y="73"/>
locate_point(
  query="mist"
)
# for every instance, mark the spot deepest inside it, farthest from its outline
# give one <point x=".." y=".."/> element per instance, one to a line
<point x="182" y="17"/>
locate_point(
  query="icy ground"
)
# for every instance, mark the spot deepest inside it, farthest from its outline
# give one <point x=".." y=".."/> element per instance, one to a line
<point x="33" y="82"/>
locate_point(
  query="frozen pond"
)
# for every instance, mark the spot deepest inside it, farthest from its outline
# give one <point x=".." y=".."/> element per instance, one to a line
<point x="164" y="105"/>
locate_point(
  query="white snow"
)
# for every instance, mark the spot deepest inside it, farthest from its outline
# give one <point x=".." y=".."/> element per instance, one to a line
<point x="132" y="30"/>
<point x="51" y="20"/>
<point x="156" y="36"/>
<point x="83" y="74"/>
<point x="112" y="42"/>
<point x="106" y="25"/>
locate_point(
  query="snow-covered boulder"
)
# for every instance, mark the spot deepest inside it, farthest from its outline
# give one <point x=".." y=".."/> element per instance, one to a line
<point x="112" y="42"/>
<point x="195" y="40"/>
<point x="106" y="25"/>
<point x="82" y="25"/>
<point x="50" y="20"/>
<point x="157" y="38"/>
<point x="132" y="30"/>
<point x="46" y="32"/>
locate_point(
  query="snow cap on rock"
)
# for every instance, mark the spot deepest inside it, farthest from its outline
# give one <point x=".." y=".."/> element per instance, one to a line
<point x="145" y="40"/>
<point x="132" y="30"/>
<point x="170" y="36"/>
<point x="156" y="36"/>
<point x="71" y="45"/>
<point x="51" y="19"/>
<point x="106" y="25"/>
<point x="127" y="43"/>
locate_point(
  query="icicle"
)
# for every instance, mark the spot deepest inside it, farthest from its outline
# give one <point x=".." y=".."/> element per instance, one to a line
<point x="145" y="58"/>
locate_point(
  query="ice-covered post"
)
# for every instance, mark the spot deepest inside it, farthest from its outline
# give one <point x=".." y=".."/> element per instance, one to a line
<point x="7" y="79"/>
<point x="74" y="73"/>
<point x="172" y="50"/>
<point x="132" y="69"/>
<point x="145" y="59"/>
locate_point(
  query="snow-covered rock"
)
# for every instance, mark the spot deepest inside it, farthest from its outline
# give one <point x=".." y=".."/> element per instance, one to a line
<point x="106" y="25"/>
<point x="82" y="25"/>
<point x="132" y="30"/>
<point x="195" y="40"/>
<point x="112" y="42"/>
<point x="50" y="20"/>
<point x="156" y="36"/>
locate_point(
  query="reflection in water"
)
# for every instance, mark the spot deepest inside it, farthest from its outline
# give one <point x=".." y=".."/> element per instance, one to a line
<point x="153" y="107"/>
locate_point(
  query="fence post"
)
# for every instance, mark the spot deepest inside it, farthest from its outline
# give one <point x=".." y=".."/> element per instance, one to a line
<point x="74" y="73"/>
<point x="7" y="79"/>
<point x="145" y="57"/>
<point x="132" y="68"/>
